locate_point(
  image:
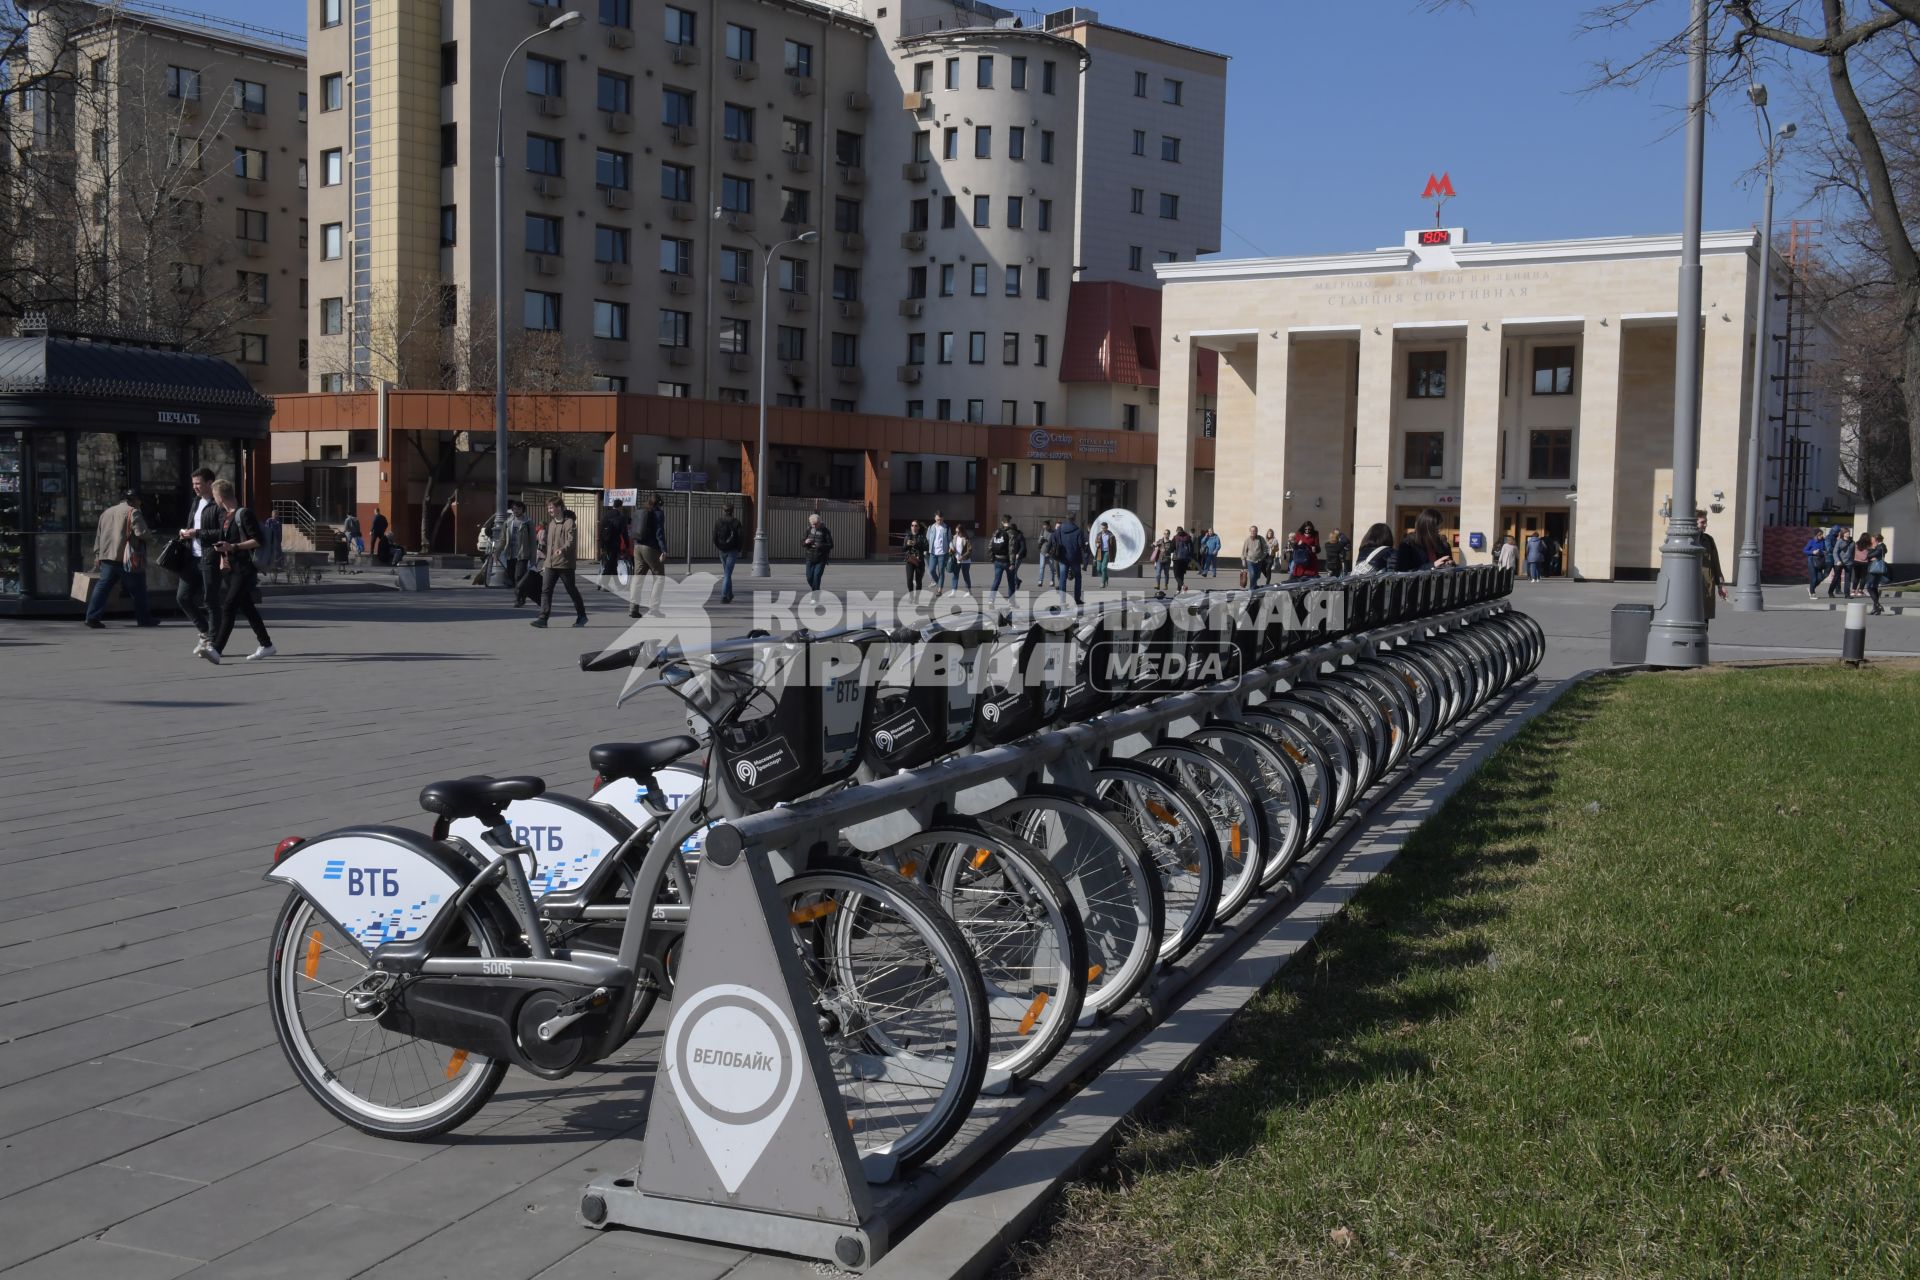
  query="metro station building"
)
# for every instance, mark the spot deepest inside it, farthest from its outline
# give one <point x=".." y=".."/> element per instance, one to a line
<point x="1515" y="387"/>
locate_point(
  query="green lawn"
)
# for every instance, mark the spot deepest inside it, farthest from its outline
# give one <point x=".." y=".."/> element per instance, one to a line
<point x="1612" y="1014"/>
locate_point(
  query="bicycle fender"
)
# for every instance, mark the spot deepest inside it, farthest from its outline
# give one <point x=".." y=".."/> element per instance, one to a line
<point x="625" y="796"/>
<point x="377" y="884"/>
<point x="569" y="838"/>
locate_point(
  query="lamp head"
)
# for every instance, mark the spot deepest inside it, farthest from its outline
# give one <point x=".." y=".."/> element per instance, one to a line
<point x="808" y="237"/>
<point x="1787" y="130"/>
<point x="564" y="21"/>
<point x="1757" y="94"/>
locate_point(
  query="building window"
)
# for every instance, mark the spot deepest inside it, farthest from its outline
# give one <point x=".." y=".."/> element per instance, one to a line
<point x="543" y="233"/>
<point x="923" y="77"/>
<point x="846" y="215"/>
<point x="1550" y="455"/>
<point x="1171" y="91"/>
<point x="253" y="348"/>
<point x="950" y="144"/>
<point x="846" y="351"/>
<point x="945" y="353"/>
<point x="449" y="63"/>
<point x="796" y="206"/>
<point x="979" y="279"/>
<point x="946" y="279"/>
<point x="449" y="145"/>
<point x="982" y="142"/>
<point x="982" y="210"/>
<point x="449" y="225"/>
<point x="846" y="284"/>
<point x="1169" y="205"/>
<point x="332" y="316"/>
<point x="301" y="349"/>
<point x="1552" y="371"/>
<point x="1043" y="282"/>
<point x="1046" y="215"/>
<point x="1046" y="77"/>
<point x="736" y="194"/>
<point x="1046" y="146"/>
<point x="183" y="82"/>
<point x="1015" y="208"/>
<point x="1139" y="201"/>
<point x="736" y="266"/>
<point x="1013" y="280"/>
<point x="680" y="28"/>
<point x="952" y="80"/>
<point x="540" y="310"/>
<point x="916" y="282"/>
<point x="916" y="348"/>
<point x="676" y="182"/>
<point x="738" y="395"/>
<point x="607" y="382"/>
<point x="740" y="43"/>
<point x="1036" y="479"/>
<point x="948" y="211"/>
<point x="940" y="476"/>
<point x="737" y="123"/>
<point x="1425" y="456"/>
<point x="1129" y="417"/>
<point x="546" y="78"/>
<point x="917" y="216"/>
<point x="976" y="411"/>
<point x="612" y="170"/>
<point x="1009" y="348"/>
<point x="676" y="328"/>
<point x="251" y="224"/>
<point x="1040" y="350"/>
<point x="976" y="347"/>
<point x="1139" y="84"/>
<point x="1166" y="255"/>
<point x="610" y="244"/>
<point x="1134" y="256"/>
<point x="614" y="92"/>
<point x="1016" y="143"/>
<point x="332" y="92"/>
<point x="249" y="163"/>
<point x="1170" y="149"/>
<point x="673" y="390"/>
<point x="796" y="137"/>
<point x="916" y="409"/>
<point x="249" y="96"/>
<point x="736" y="337"/>
<point x="793" y="275"/>
<point x="252" y="285"/>
<point x="330" y="13"/>
<point x="983" y="72"/>
<point x="610" y="320"/>
<point x="1139" y="142"/>
<point x="799" y="59"/>
<point x="616" y="13"/>
<point x="1426" y="375"/>
<point x="676" y="107"/>
<point x="915" y="470"/>
<point x="332" y="167"/>
<point x="544" y="155"/>
<point x="849" y="149"/>
<point x="184" y="152"/>
<point x="676" y="256"/>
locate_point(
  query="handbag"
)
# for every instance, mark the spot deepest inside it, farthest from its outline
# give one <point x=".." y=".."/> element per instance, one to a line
<point x="134" y="558"/>
<point x="175" y="556"/>
<point x="1243" y="577"/>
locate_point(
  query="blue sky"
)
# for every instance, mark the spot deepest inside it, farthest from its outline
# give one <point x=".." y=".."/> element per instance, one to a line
<point x="1339" y="109"/>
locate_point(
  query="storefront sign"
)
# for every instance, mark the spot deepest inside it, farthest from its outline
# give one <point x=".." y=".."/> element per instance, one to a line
<point x="175" y="418"/>
<point x="1064" y="446"/>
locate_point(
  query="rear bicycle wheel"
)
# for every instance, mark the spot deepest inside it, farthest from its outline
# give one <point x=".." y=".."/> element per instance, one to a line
<point x="1227" y="799"/>
<point x="1281" y="794"/>
<point x="1310" y="761"/>
<point x="900" y="1006"/>
<point x="1175" y="832"/>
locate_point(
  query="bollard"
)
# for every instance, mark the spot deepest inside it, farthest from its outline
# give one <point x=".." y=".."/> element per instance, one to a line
<point x="1853" y="642"/>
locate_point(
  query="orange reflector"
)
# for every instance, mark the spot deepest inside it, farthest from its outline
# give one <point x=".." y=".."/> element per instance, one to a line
<point x="825" y="907"/>
<point x="1193" y="868"/>
<point x="313" y="955"/>
<point x="1093" y="974"/>
<point x="980" y="858"/>
<point x="1163" y="813"/>
<point x="1233" y="841"/>
<point x="1033" y="1012"/>
<point x="908" y="868"/>
<point x="1299" y="756"/>
<point x="456" y="1063"/>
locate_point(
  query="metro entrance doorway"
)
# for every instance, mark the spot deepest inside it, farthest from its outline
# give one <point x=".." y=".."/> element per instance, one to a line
<point x="1519" y="523"/>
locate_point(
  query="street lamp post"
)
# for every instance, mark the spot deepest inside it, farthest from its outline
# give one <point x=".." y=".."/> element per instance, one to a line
<point x="1747" y="596"/>
<point x="762" y="566"/>
<point x="497" y="572"/>
<point x="1678" y="636"/>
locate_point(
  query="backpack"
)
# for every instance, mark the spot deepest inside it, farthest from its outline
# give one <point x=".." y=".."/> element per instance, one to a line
<point x="1066" y="547"/>
<point x="726" y="534"/>
<point x="1302" y="554"/>
<point x="1816" y="548"/>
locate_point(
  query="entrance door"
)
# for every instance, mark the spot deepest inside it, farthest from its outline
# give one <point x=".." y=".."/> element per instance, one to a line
<point x="1449" y="526"/>
<point x="1556" y="523"/>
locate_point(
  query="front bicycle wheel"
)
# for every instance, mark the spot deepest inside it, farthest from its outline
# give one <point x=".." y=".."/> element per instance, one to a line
<point x="1180" y="841"/>
<point x="1238" y="822"/>
<point x="326" y="1002"/>
<point x="900" y="1005"/>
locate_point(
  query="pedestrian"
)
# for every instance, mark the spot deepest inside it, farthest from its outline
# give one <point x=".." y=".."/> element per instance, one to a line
<point x="514" y="547"/>
<point x="1304" y="555"/>
<point x="1713" y="580"/>
<point x="1536" y="555"/>
<point x="270" y="540"/>
<point x="377" y="537"/>
<point x="198" y="594"/>
<point x="939" y="551"/>
<point x="560" y="556"/>
<point x="1253" y="556"/>
<point x="962" y="558"/>
<point x="350" y="535"/>
<point x="650" y="558"/>
<point x="1105" y="547"/>
<point x="238" y="539"/>
<point x="914" y="553"/>
<point x="728" y="537"/>
<point x="1877" y="570"/>
<point x="1046" y="554"/>
<point x="1507" y="555"/>
<point x="615" y="539"/>
<point x="1861" y="547"/>
<point x="1376" y="554"/>
<point x="1070" y="553"/>
<point x="1424" y="548"/>
<point x="1209" y="554"/>
<point x="1180" y="551"/>
<point x="1840" y="556"/>
<point x="1007" y="548"/>
<point x="818" y="547"/>
<point x="1162" y="557"/>
<point x="1816" y="553"/>
<point x="120" y="557"/>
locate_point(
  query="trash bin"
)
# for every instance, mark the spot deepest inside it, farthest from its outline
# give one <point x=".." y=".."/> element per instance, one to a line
<point x="412" y="576"/>
<point x="1631" y="623"/>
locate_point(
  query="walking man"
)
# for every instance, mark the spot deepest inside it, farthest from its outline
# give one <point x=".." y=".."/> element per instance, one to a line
<point x="939" y="551"/>
<point x="726" y="540"/>
<point x="1046" y="554"/>
<point x="818" y="545"/>
<point x="120" y="556"/>
<point x="1209" y="554"/>
<point x="1069" y="552"/>
<point x="1105" y="547"/>
<point x="562" y="551"/>
<point x="1339" y="547"/>
<point x="515" y="545"/>
<point x="199" y="593"/>
<point x="1008" y="547"/>
<point x="650" y="558"/>
<point x="616" y="528"/>
<point x="1254" y="554"/>
<point x="1712" y="578"/>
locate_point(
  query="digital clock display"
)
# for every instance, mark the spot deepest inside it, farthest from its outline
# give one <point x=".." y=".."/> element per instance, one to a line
<point x="1436" y="237"/>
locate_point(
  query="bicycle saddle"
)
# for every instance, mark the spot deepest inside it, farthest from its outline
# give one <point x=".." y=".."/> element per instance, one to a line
<point x="637" y="759"/>
<point x="478" y="796"/>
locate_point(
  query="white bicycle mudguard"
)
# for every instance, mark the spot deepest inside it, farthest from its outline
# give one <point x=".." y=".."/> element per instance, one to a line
<point x="568" y="842"/>
<point x="625" y="796"/>
<point x="375" y="888"/>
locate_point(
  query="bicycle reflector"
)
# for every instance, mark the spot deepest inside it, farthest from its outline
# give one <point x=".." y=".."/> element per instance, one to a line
<point x="287" y="846"/>
<point x="599" y="781"/>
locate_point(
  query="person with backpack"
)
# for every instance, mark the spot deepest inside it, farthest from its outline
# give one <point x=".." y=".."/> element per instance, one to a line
<point x="1376" y="551"/>
<point x="1180" y="551"/>
<point x="1424" y="548"/>
<point x="1304" y="559"/>
<point x="1816" y="553"/>
<point x="1070" y="552"/>
<point x="817" y="546"/>
<point x="1105" y="548"/>
<point x="238" y="539"/>
<point x="727" y="540"/>
<point x="649" y="558"/>
<point x="1008" y="548"/>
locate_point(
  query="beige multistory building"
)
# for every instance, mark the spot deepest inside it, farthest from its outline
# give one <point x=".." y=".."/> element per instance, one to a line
<point x="156" y="179"/>
<point x="1516" y="387"/>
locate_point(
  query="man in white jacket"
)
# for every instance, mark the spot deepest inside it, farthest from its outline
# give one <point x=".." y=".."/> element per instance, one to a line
<point x="939" y="551"/>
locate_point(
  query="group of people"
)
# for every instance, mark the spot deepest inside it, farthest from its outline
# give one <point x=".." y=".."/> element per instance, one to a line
<point x="376" y="544"/>
<point x="946" y="552"/>
<point x="1263" y="556"/>
<point x="213" y="558"/>
<point x="1849" y="566"/>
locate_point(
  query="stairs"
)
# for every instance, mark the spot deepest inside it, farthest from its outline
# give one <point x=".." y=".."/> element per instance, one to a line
<point x="301" y="530"/>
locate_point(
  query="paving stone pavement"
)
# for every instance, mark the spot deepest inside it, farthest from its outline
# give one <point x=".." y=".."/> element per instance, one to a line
<point x="149" y="1126"/>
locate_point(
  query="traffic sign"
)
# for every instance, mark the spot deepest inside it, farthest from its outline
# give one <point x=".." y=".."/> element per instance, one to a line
<point x="687" y="481"/>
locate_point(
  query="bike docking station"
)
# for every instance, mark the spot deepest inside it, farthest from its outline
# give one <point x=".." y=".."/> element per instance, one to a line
<point x="748" y="1143"/>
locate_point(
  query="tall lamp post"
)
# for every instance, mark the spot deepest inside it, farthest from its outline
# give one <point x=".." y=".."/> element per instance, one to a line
<point x="1747" y="596"/>
<point x="497" y="573"/>
<point x="1678" y="637"/>
<point x="762" y="567"/>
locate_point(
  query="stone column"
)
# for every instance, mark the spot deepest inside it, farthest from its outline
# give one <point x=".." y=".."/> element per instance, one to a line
<point x="1724" y="383"/>
<point x="1177" y="396"/>
<point x="1270" y="472"/>
<point x="1596" y="449"/>
<point x="1479" y="465"/>
<point x="879" y="496"/>
<point x="1373" y="463"/>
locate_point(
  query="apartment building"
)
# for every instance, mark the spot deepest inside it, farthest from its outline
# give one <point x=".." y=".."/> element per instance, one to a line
<point x="155" y="179"/>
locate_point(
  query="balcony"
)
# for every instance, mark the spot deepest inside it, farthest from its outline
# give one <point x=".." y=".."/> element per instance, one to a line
<point x="914" y="171"/>
<point x="913" y="308"/>
<point x="908" y="373"/>
<point x="913" y="241"/>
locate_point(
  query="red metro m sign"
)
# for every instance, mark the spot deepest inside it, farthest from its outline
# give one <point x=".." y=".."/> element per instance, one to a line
<point x="1438" y="188"/>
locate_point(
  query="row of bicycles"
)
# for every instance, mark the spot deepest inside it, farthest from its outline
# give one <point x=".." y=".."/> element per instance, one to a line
<point x="951" y="951"/>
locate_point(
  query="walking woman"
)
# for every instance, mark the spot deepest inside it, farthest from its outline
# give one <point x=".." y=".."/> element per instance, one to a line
<point x="239" y="536"/>
<point x="1162" y="555"/>
<point x="962" y="558"/>
<point x="1876" y="566"/>
<point x="916" y="557"/>
<point x="1424" y="548"/>
<point x="1180" y="549"/>
<point x="1305" y="559"/>
<point x="1376" y="551"/>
